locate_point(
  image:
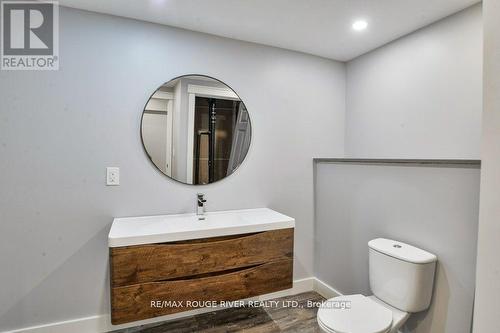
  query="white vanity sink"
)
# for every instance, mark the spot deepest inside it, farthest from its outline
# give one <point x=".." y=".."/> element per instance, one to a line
<point x="128" y="231"/>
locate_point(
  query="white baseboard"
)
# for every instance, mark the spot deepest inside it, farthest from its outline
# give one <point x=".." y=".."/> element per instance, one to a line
<point x="102" y="323"/>
<point x="324" y="289"/>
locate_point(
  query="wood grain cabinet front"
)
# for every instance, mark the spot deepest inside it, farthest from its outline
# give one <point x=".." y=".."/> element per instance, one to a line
<point x="145" y="278"/>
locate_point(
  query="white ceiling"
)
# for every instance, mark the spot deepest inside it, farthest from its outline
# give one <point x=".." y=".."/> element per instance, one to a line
<point x="320" y="27"/>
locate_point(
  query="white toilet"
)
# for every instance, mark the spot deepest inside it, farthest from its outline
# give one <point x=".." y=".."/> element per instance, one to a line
<point x="401" y="279"/>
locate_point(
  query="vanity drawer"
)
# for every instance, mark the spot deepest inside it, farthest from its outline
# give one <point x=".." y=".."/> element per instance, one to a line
<point x="154" y="262"/>
<point x="134" y="302"/>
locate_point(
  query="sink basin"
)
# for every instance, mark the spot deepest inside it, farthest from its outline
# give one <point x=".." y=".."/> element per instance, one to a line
<point x="129" y="231"/>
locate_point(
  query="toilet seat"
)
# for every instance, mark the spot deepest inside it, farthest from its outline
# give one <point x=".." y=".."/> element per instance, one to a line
<point x="354" y="314"/>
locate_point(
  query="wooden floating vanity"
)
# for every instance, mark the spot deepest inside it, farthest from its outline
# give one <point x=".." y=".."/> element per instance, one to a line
<point x="247" y="253"/>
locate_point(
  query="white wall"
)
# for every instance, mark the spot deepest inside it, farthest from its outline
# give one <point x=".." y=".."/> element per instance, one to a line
<point x="59" y="131"/>
<point x="487" y="305"/>
<point x="419" y="96"/>
<point x="432" y="207"/>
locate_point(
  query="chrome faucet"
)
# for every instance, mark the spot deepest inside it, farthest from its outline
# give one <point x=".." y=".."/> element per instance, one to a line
<point x="200" y="207"/>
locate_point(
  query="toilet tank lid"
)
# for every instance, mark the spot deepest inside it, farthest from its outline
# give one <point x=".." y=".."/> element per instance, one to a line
<point x="402" y="251"/>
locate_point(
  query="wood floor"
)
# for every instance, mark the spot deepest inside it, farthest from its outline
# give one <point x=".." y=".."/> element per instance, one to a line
<point x="289" y="314"/>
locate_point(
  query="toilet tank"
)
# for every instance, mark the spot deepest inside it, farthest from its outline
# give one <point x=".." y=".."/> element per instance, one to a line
<point x="401" y="275"/>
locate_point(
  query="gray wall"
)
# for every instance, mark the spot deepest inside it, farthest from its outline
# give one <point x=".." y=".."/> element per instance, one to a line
<point x="419" y="96"/>
<point x="487" y="304"/>
<point x="59" y="131"/>
<point x="434" y="208"/>
<point x="154" y="127"/>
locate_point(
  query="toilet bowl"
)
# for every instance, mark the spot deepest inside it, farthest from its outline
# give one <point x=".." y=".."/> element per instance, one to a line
<point x="359" y="314"/>
<point x="401" y="279"/>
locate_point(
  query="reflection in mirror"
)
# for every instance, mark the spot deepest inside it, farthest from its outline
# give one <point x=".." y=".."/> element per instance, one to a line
<point x="195" y="129"/>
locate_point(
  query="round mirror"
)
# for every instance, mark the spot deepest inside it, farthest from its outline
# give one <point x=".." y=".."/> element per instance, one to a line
<point x="195" y="129"/>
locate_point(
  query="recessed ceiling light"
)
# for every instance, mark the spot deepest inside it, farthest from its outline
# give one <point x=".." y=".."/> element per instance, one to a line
<point x="359" y="25"/>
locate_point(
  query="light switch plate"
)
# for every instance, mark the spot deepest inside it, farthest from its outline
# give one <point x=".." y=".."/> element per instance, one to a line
<point x="112" y="176"/>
